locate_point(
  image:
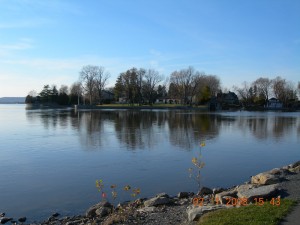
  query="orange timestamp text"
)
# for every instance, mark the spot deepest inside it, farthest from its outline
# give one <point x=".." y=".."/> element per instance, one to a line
<point x="198" y="201"/>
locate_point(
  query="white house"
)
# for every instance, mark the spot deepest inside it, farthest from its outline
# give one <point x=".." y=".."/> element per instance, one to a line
<point x="274" y="103"/>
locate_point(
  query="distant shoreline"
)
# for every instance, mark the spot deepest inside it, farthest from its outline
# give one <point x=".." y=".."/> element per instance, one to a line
<point x="202" y="108"/>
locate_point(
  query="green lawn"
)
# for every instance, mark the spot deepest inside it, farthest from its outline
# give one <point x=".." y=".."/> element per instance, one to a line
<point x="249" y="215"/>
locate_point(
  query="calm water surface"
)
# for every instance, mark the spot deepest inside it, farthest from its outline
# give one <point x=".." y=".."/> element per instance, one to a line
<point x="50" y="159"/>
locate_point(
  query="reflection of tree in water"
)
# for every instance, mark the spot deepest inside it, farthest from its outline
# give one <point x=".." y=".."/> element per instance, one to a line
<point x="268" y="127"/>
<point x="186" y="129"/>
<point x="49" y="118"/>
<point x="282" y="126"/>
<point x="91" y="126"/>
<point x="136" y="128"/>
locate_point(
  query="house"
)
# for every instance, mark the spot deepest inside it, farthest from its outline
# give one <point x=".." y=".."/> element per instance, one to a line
<point x="107" y="95"/>
<point x="167" y="100"/>
<point x="273" y="103"/>
<point x="228" y="98"/>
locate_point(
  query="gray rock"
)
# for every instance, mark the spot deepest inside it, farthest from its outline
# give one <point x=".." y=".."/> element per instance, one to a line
<point x="162" y="195"/>
<point x="103" y="211"/>
<point x="91" y="212"/>
<point x="258" y="192"/>
<point x="75" y="222"/>
<point x="296" y="164"/>
<point x="195" y="212"/>
<point x="218" y="190"/>
<point x="265" y="179"/>
<point x="4" y="220"/>
<point x="221" y="197"/>
<point x="295" y="169"/>
<point x="147" y="209"/>
<point x="205" y="191"/>
<point x="157" y="201"/>
<point x="183" y="201"/>
<point x="55" y="214"/>
<point x="245" y="187"/>
<point x="183" y="195"/>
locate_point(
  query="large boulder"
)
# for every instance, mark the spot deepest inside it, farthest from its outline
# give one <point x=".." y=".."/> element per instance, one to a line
<point x="205" y="191"/>
<point x="101" y="209"/>
<point x="251" y="192"/>
<point x="195" y="212"/>
<point x="183" y="194"/>
<point x="295" y="169"/>
<point x="221" y="198"/>
<point x="265" y="178"/>
<point x="296" y="164"/>
<point x="160" y="199"/>
<point x="157" y="201"/>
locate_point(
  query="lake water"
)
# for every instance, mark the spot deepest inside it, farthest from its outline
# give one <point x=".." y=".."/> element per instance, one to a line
<point x="50" y="159"/>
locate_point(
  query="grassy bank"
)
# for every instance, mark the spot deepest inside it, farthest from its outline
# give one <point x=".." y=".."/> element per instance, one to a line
<point x="249" y="215"/>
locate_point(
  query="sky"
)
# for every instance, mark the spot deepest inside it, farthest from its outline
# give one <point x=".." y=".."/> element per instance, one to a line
<point x="49" y="41"/>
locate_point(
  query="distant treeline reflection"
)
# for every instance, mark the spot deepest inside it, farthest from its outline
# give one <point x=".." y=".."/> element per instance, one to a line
<point x="136" y="129"/>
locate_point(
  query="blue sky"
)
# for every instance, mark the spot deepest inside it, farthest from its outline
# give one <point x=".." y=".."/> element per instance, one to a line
<point x="49" y="41"/>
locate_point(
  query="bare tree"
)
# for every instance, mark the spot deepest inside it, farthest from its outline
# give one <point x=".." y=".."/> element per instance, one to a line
<point x="151" y="79"/>
<point x="213" y="83"/>
<point x="101" y="78"/>
<point x="94" y="80"/>
<point x="245" y="93"/>
<point x="283" y="90"/>
<point x="76" y="91"/>
<point x="32" y="93"/>
<point x="87" y="78"/>
<point x="263" y="87"/>
<point x="185" y="82"/>
<point x="63" y="89"/>
<point x="129" y="85"/>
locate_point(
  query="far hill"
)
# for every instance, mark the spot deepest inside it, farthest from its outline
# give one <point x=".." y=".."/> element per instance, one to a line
<point x="12" y="100"/>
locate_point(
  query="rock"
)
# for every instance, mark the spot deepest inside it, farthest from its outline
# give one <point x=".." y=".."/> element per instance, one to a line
<point x="275" y="171"/>
<point x="91" y="212"/>
<point x="22" y="219"/>
<point x="218" y="190"/>
<point x="205" y="191"/>
<point x="296" y="164"/>
<point x="4" y="220"/>
<point x="75" y="222"/>
<point x="195" y="212"/>
<point x="103" y="211"/>
<point x="123" y="204"/>
<point x="221" y="197"/>
<point x="162" y="195"/>
<point x="257" y="192"/>
<point x="147" y="209"/>
<point x="295" y="169"/>
<point x="158" y="200"/>
<point x="265" y="179"/>
<point x="183" y="201"/>
<point x="244" y="187"/>
<point x="183" y="195"/>
<point x="55" y="214"/>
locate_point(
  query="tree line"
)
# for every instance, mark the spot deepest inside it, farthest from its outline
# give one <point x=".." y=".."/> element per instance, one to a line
<point x="144" y="86"/>
<point x="259" y="91"/>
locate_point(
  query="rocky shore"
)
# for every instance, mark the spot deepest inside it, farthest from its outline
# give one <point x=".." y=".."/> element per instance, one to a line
<point x="185" y="208"/>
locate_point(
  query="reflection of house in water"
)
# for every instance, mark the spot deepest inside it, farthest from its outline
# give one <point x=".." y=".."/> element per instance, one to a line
<point x="273" y="103"/>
